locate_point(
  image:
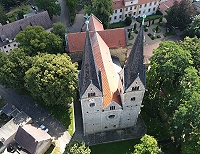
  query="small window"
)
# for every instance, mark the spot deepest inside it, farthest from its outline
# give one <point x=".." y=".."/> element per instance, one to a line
<point x="5" y="46"/>
<point x="126" y="9"/>
<point x="135" y="7"/>
<point x="114" y="126"/>
<point x="91" y="94"/>
<point x="155" y="3"/>
<point x="134" y="13"/>
<point x="120" y="16"/>
<point x="115" y="11"/>
<point x="120" y="10"/>
<point x="145" y="5"/>
<point x="139" y="12"/>
<point x="131" y="8"/>
<point x="140" y="6"/>
<point x="8" y="45"/>
<point x="14" y="45"/>
<point x="154" y="9"/>
<point x="115" y="17"/>
<point x="133" y="99"/>
<point x="125" y="15"/>
<point x="111" y="116"/>
<point x="92" y="104"/>
<point x="112" y="107"/>
<point x="149" y="10"/>
<point x="135" y="88"/>
<point x="149" y="4"/>
<point x="106" y="127"/>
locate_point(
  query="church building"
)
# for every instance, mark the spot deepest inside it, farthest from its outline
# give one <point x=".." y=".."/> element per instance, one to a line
<point x="110" y="99"/>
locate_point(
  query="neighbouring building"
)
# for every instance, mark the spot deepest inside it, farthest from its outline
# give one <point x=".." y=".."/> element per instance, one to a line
<point x="110" y="98"/>
<point x="8" y="131"/>
<point x="75" y="42"/>
<point x="133" y="8"/>
<point x="9" y="31"/>
<point x="33" y="139"/>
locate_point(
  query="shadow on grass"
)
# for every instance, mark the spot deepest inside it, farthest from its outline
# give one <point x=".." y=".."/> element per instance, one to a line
<point x="121" y="147"/>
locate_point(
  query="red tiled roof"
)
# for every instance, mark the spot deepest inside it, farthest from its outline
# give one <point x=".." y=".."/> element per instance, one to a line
<point x="117" y="4"/>
<point x="111" y="37"/>
<point x="94" y="24"/>
<point x="167" y="4"/>
<point x="145" y="1"/>
<point x="108" y="74"/>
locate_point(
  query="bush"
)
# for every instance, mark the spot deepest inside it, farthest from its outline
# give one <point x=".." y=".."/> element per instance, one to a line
<point x="135" y="31"/>
<point x="128" y="21"/>
<point x="146" y="29"/>
<point x="158" y="36"/>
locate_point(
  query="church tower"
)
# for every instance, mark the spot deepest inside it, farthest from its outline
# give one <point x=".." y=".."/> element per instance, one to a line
<point x="133" y="79"/>
<point x="90" y="90"/>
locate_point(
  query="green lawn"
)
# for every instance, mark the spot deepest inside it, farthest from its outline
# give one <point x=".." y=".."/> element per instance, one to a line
<point x="122" y="147"/>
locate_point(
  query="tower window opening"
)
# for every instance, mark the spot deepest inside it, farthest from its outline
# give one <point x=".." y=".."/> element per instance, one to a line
<point x="112" y="107"/>
<point x="111" y="116"/>
<point x="91" y="94"/>
<point x="92" y="104"/>
<point x="133" y="99"/>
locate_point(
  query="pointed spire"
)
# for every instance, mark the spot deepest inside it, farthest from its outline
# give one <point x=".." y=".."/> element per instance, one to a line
<point x="134" y="67"/>
<point x="89" y="72"/>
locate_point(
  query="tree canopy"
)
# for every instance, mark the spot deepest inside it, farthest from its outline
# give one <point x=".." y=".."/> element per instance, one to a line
<point x="180" y="14"/>
<point x="59" y="30"/>
<point x="193" y="28"/>
<point x="52" y="78"/>
<point x="13" y="68"/>
<point x="102" y="9"/>
<point x="51" y="6"/>
<point x="35" y="39"/>
<point x="147" y="145"/>
<point x="3" y="17"/>
<point x="75" y="147"/>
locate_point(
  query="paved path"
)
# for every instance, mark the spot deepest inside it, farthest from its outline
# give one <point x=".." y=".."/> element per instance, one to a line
<point x="38" y="115"/>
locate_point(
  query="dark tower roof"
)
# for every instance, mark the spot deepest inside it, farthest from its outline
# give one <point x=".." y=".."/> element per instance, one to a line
<point x="134" y="66"/>
<point x="89" y="72"/>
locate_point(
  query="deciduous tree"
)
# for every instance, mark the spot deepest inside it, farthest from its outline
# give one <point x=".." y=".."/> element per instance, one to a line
<point x="193" y="28"/>
<point x="52" y="6"/>
<point x="59" y="29"/>
<point x="3" y="17"/>
<point x="180" y="14"/>
<point x="52" y="78"/>
<point x="102" y="9"/>
<point x="76" y="147"/>
<point x="35" y="39"/>
<point x="13" y="68"/>
<point x="147" y="145"/>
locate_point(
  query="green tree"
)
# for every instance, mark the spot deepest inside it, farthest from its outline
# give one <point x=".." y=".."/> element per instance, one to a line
<point x="76" y="147"/>
<point x="147" y="145"/>
<point x="59" y="29"/>
<point x="52" y="78"/>
<point x="193" y="28"/>
<point x="20" y="14"/>
<point x="3" y="17"/>
<point x="128" y="21"/>
<point x="102" y="9"/>
<point x="179" y="15"/>
<point x="192" y="45"/>
<point x="51" y="6"/>
<point x="191" y="146"/>
<point x="13" y="69"/>
<point x="35" y="39"/>
<point x="72" y="5"/>
<point x="186" y="118"/>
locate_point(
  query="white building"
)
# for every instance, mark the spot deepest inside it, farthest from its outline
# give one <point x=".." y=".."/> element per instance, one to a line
<point x="133" y="8"/>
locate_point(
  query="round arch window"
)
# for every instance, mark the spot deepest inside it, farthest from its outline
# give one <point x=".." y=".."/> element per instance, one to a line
<point x="111" y="116"/>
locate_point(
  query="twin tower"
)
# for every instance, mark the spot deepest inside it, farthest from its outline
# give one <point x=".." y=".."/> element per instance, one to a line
<point x="110" y="99"/>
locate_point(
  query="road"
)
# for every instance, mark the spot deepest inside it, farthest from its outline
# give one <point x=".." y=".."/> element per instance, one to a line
<point x="38" y="115"/>
<point x="64" y="16"/>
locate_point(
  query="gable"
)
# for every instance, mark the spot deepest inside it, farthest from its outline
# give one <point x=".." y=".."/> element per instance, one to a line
<point x="113" y="106"/>
<point x="137" y="84"/>
<point x="90" y="91"/>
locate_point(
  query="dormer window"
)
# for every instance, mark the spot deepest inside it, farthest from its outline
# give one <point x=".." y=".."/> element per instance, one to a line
<point x="112" y="107"/>
<point x="91" y="94"/>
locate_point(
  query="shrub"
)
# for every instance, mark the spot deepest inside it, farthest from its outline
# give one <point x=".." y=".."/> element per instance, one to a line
<point x="158" y="36"/>
<point x="129" y="34"/>
<point x="128" y="21"/>
<point x="146" y="29"/>
<point x="135" y="31"/>
<point x="135" y="26"/>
